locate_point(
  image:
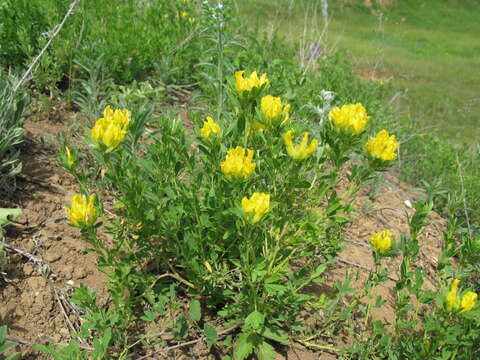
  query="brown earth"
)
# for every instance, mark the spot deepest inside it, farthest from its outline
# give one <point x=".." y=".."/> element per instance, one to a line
<point x="35" y="307"/>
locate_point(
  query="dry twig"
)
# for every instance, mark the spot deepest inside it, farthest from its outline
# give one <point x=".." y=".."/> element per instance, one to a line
<point x="55" y="32"/>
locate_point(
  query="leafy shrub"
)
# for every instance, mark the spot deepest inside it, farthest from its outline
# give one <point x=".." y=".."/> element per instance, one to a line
<point x="232" y="213"/>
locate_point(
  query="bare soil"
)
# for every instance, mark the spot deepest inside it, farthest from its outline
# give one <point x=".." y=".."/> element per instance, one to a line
<point x="33" y="305"/>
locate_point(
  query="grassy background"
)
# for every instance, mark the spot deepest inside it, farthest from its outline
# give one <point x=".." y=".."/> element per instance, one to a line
<point x="428" y="50"/>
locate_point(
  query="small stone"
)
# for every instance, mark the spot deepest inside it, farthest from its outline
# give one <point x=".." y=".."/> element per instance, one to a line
<point x="55" y="179"/>
<point x="71" y="283"/>
<point x="56" y="338"/>
<point x="37" y="283"/>
<point x="52" y="256"/>
<point x="68" y="271"/>
<point x="27" y="269"/>
<point x="80" y="273"/>
<point x="408" y="204"/>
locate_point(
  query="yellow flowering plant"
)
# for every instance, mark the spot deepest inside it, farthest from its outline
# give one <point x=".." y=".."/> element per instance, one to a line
<point x="210" y="129"/>
<point x="250" y="86"/>
<point x="382" y="242"/>
<point x="238" y="164"/>
<point x="459" y="303"/>
<point x="244" y="222"/>
<point x="302" y="151"/>
<point x="274" y="112"/>
<point x="82" y="212"/>
<point x="343" y="131"/>
<point x="110" y="130"/>
<point x="256" y="206"/>
<point x="68" y="156"/>
<point x="381" y="149"/>
<point x="351" y="118"/>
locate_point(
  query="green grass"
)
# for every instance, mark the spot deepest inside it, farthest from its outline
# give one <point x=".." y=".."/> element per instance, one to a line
<point x="426" y="49"/>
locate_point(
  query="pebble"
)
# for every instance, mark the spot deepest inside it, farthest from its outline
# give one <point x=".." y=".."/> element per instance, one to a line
<point x="68" y="271"/>
<point x="27" y="269"/>
<point x="80" y="273"/>
<point x="52" y="256"/>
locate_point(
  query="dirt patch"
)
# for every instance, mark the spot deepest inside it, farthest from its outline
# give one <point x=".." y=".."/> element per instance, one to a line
<point x="33" y="307"/>
<point x="32" y="303"/>
<point x="390" y="210"/>
<point x="378" y="74"/>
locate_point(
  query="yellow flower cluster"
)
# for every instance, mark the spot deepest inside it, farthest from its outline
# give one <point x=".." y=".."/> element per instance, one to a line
<point x="382" y="146"/>
<point x="209" y="127"/>
<point x="274" y="111"/>
<point x="382" y="241"/>
<point x="351" y="118"/>
<point x="82" y="212"/>
<point x="237" y="164"/>
<point x="302" y="151"/>
<point x="248" y="84"/>
<point x="454" y="303"/>
<point x="112" y="127"/>
<point x="255" y="207"/>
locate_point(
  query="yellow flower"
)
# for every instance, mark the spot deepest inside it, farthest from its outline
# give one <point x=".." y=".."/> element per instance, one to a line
<point x="255" y="207"/>
<point x="82" y="212"/>
<point x="257" y="126"/>
<point x="118" y="116"/>
<point x="382" y="146"/>
<point x="209" y="126"/>
<point x="466" y="303"/>
<point x="453" y="302"/>
<point x="237" y="165"/>
<point x="191" y="20"/>
<point x="247" y="84"/>
<point x="350" y="118"/>
<point x="382" y="241"/>
<point x="182" y="14"/>
<point x="71" y="160"/>
<point x="302" y="151"/>
<point x="112" y="127"/>
<point x="208" y="266"/>
<point x="469" y="299"/>
<point x="273" y="109"/>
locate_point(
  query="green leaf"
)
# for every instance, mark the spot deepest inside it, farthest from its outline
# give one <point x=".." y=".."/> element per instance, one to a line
<point x="3" y="333"/>
<point x="243" y="348"/>
<point x="265" y="351"/>
<point x="273" y="278"/>
<point x="181" y="327"/>
<point x="302" y="184"/>
<point x="13" y="356"/>
<point x="255" y="321"/>
<point x="5" y="347"/>
<point x="276" y="335"/>
<point x="195" y="310"/>
<point x="211" y="334"/>
<point x="149" y="316"/>
<point x="5" y="213"/>
<point x="274" y="289"/>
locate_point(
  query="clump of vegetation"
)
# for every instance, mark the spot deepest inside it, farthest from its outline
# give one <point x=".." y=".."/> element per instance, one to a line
<point x="136" y="39"/>
<point x="217" y="225"/>
<point x="12" y="107"/>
